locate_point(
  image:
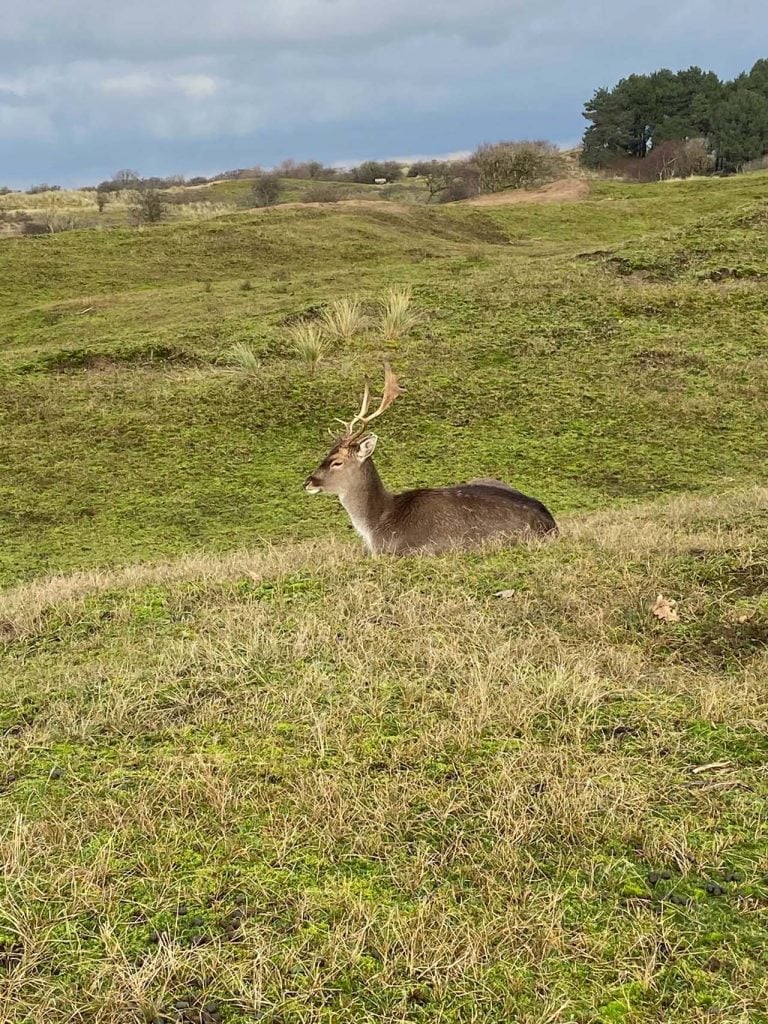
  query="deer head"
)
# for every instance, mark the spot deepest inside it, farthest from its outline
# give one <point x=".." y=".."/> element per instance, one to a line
<point x="344" y="463"/>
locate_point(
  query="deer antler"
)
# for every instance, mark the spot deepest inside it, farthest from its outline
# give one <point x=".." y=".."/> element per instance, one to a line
<point x="358" y="423"/>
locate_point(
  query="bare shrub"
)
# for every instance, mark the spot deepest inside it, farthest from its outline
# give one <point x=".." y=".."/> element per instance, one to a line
<point x="672" y="158"/>
<point x="367" y="172"/>
<point x="760" y="163"/>
<point x="35" y="190"/>
<point x="147" y="206"/>
<point x="693" y="158"/>
<point x="312" y="169"/>
<point x="322" y="194"/>
<point x="525" y="164"/>
<point x="126" y="178"/>
<point x="54" y="216"/>
<point x="267" y="189"/>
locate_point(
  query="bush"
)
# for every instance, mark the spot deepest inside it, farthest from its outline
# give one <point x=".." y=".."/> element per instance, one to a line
<point x="673" y="158"/>
<point x="448" y="181"/>
<point x="322" y="194"/>
<point x="458" y="189"/>
<point x="525" y="164"/>
<point x="311" y="169"/>
<point x="267" y="189"/>
<point x="102" y="198"/>
<point x="758" y="164"/>
<point x="694" y="157"/>
<point x="33" y="227"/>
<point x="147" y="207"/>
<point x="367" y="172"/>
<point x="126" y="178"/>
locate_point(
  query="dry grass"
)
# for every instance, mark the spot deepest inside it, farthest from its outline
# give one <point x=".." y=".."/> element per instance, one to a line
<point x="398" y="317"/>
<point x="344" y="318"/>
<point x="383" y="793"/>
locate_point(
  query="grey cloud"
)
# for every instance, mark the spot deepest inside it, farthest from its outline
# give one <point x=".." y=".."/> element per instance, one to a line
<point x="164" y="77"/>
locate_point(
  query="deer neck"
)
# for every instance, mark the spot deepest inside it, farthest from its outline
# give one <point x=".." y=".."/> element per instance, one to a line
<point x="367" y="502"/>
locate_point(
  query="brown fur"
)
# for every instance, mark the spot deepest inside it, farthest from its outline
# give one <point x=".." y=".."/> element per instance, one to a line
<point x="426" y="520"/>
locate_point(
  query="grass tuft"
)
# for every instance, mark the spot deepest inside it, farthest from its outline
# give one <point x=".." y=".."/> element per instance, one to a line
<point x="309" y="343"/>
<point x="344" y="318"/>
<point x="244" y="358"/>
<point x="398" y="317"/>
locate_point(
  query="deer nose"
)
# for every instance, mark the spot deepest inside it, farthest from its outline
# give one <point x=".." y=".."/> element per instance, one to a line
<point x="310" y="482"/>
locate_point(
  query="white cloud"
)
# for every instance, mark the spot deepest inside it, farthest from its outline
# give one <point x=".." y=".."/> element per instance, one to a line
<point x="196" y="85"/>
<point x="145" y="83"/>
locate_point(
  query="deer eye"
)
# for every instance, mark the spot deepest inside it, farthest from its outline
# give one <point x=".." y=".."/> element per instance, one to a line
<point x="337" y="464"/>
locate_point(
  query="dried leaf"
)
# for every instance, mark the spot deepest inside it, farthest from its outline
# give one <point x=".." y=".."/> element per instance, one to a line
<point x="505" y="595"/>
<point x="665" y="609"/>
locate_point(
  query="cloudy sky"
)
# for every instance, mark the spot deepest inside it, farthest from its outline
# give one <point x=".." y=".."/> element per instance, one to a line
<point x="198" y="86"/>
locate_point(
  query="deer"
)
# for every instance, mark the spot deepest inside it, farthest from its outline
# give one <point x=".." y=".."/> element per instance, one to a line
<point x="427" y="520"/>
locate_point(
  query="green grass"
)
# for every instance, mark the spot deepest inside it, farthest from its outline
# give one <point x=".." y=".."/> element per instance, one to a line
<point x="297" y="786"/>
<point x="126" y="438"/>
<point x="248" y="769"/>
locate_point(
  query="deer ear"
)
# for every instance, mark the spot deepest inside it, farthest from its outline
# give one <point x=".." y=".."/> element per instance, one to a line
<point x="366" y="447"/>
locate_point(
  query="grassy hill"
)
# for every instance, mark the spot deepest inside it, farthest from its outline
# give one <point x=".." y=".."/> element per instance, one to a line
<point x="570" y="348"/>
<point x="67" y="209"/>
<point x="250" y="775"/>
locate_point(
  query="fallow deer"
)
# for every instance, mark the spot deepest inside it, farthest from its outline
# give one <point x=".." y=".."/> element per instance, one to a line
<point x="426" y="520"/>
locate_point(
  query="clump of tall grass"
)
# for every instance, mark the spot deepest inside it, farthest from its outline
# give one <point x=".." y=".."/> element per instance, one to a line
<point x="244" y="358"/>
<point x="344" y="318"/>
<point x="309" y="343"/>
<point x="398" y="317"/>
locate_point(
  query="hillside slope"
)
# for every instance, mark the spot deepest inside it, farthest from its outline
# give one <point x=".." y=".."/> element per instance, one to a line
<point x="549" y="353"/>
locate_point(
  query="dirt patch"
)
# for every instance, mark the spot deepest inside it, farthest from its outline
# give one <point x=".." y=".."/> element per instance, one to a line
<point x="567" y="190"/>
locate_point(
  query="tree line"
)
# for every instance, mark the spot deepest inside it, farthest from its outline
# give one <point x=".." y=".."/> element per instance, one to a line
<point x="681" y="122"/>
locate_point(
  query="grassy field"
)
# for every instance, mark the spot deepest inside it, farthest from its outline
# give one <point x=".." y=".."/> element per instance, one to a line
<point x="67" y="209"/>
<point x="250" y="775"/>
